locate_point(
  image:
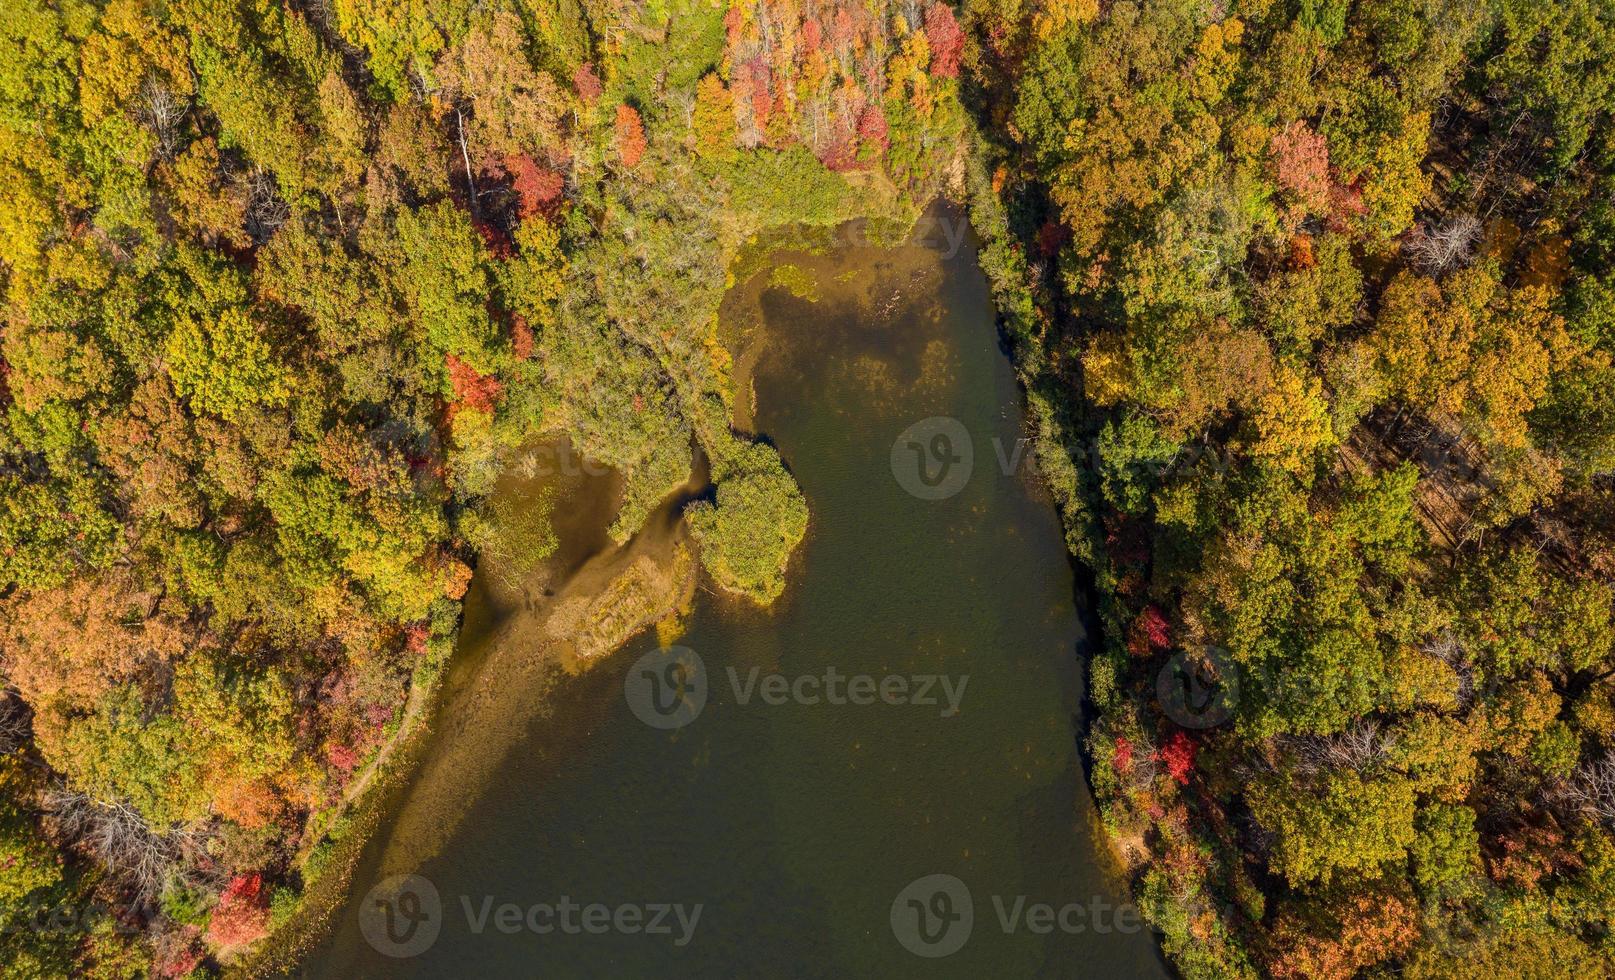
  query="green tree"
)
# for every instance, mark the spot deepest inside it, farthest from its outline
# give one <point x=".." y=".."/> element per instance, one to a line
<point x="224" y="365"/>
<point x="1350" y="825"/>
<point x="748" y="531"/>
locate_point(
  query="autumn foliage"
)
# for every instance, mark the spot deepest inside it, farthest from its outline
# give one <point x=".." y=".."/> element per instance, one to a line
<point x="538" y="190"/>
<point x="521" y="337"/>
<point x="1301" y="165"/>
<point x="1177" y="754"/>
<point x="242" y="916"/>
<point x="1316" y="296"/>
<point x="472" y="390"/>
<point x="630" y="135"/>
<point x="872" y="128"/>
<point x="946" y="40"/>
<point x="1324" y="337"/>
<point x="1122" y="758"/>
<point x="1150" y="633"/>
<point x="255" y="259"/>
<point x="1334" y="940"/>
<point x="586" y="83"/>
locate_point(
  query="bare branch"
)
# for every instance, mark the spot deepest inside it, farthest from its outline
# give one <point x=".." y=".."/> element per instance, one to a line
<point x="1445" y="246"/>
<point x="1591" y="788"/>
<point x="137" y="857"/>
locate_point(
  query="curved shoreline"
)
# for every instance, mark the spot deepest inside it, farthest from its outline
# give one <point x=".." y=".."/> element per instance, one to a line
<point x="482" y="675"/>
<point x="440" y="778"/>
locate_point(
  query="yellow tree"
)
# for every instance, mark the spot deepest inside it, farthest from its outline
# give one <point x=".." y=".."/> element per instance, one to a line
<point x="714" y="120"/>
<point x="1292" y="424"/>
<point x="1471" y="349"/>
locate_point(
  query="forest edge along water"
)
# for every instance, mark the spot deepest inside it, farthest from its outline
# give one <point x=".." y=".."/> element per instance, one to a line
<point x="879" y="782"/>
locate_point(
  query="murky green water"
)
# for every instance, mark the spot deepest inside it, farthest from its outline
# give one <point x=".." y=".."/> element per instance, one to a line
<point x="794" y="826"/>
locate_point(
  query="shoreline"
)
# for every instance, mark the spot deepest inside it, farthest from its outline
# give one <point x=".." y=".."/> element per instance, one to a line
<point x="658" y="555"/>
<point x="415" y="763"/>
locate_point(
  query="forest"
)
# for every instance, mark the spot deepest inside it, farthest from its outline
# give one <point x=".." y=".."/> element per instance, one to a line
<point x="285" y="286"/>
<point x="1314" y="304"/>
<point x="1311" y="300"/>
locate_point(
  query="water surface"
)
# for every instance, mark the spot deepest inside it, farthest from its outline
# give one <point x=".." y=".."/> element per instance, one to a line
<point x="795" y="826"/>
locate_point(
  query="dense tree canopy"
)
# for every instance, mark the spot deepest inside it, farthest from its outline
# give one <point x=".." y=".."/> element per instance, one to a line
<point x="1311" y="299"/>
<point x="1319" y="290"/>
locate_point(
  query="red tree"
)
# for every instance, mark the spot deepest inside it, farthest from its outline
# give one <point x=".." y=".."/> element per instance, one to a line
<point x="1346" y="204"/>
<point x="1150" y="632"/>
<point x="242" y="915"/>
<point x="587" y="83"/>
<point x="872" y="127"/>
<point x="521" y="337"/>
<point x="1122" y="759"/>
<point x="1178" y="757"/>
<point x="1301" y="164"/>
<point x="946" y="40"/>
<point x="537" y="190"/>
<point x="343" y="758"/>
<point x="842" y="30"/>
<point x="630" y="136"/>
<point x="494" y="237"/>
<point x="471" y="389"/>
<point x="839" y="154"/>
<point x="761" y="102"/>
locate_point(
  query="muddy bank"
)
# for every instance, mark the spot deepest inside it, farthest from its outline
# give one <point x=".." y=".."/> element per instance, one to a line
<point x="514" y="655"/>
<point x="526" y="624"/>
<point x="844" y="273"/>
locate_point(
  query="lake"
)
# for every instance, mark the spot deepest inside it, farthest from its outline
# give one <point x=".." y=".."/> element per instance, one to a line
<point x="881" y="768"/>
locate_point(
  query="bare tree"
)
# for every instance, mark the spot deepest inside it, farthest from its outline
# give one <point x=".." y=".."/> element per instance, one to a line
<point x="1142" y="765"/>
<point x="911" y="13"/>
<point x="1591" y="788"/>
<point x="1358" y="747"/>
<point x="265" y="209"/>
<point x="137" y="857"/>
<point x="162" y="112"/>
<point x="1446" y="245"/>
<point x="684" y="100"/>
